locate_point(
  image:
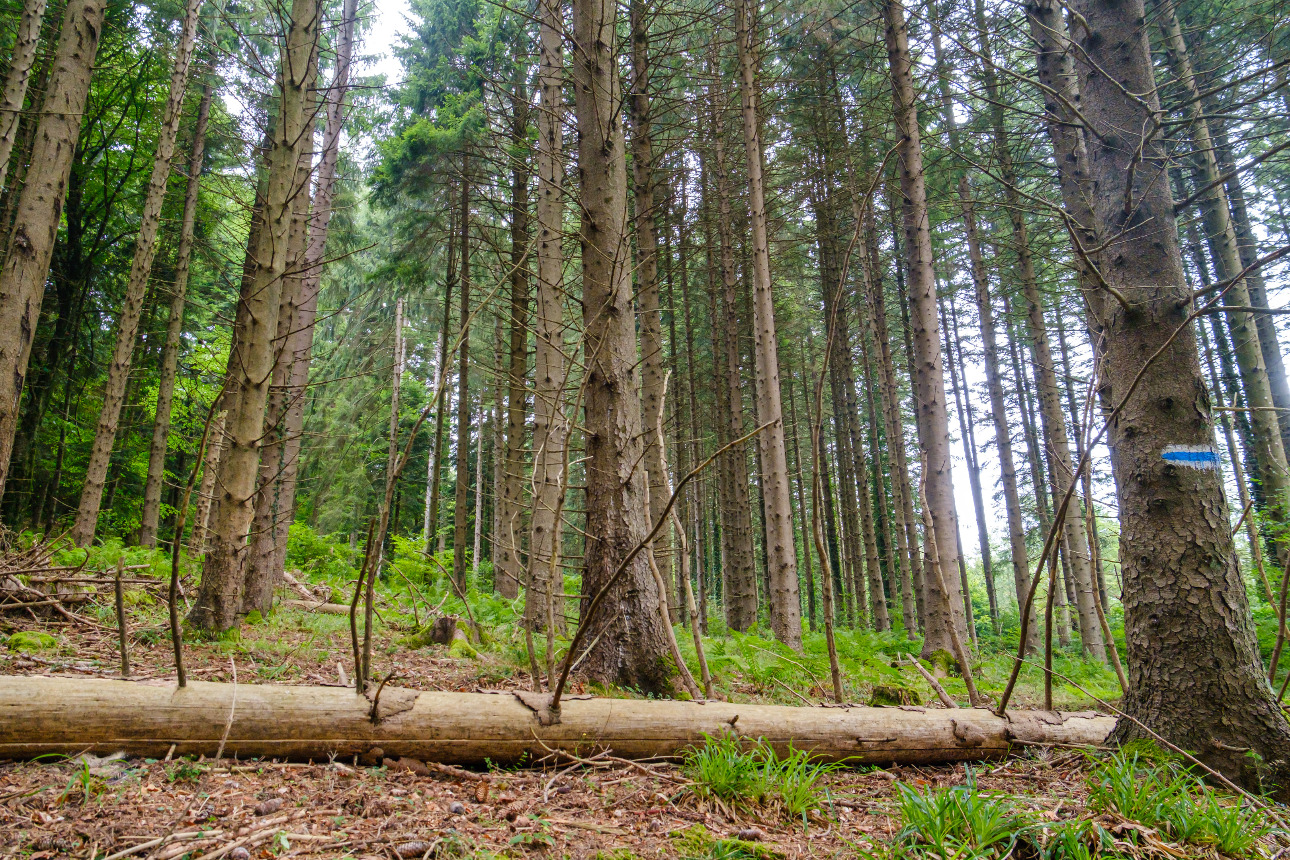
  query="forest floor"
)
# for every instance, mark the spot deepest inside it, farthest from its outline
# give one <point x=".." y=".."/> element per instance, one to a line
<point x="96" y="808"/>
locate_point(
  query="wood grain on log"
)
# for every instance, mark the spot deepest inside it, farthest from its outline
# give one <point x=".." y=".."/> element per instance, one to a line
<point x="40" y="715"/>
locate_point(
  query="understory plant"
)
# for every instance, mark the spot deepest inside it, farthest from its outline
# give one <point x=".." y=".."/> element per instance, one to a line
<point x="726" y="772"/>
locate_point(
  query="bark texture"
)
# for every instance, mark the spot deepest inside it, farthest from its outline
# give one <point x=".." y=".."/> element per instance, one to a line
<point x="629" y="643"/>
<point x="252" y="360"/>
<point x="30" y="242"/>
<point x="777" y="492"/>
<point x="14" y="94"/>
<point x="508" y="565"/>
<point x="943" y="609"/>
<point x="1194" y="670"/>
<point x="549" y="375"/>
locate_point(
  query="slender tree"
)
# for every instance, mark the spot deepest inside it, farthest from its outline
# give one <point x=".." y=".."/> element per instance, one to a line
<point x="30" y="241"/>
<point x="781" y="559"/>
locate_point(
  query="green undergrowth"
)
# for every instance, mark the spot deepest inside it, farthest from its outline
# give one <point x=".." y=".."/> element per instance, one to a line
<point x="729" y="773"/>
<point x="1137" y="808"/>
<point x="413" y="589"/>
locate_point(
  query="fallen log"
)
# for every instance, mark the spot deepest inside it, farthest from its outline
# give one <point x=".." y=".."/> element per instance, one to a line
<point x="42" y="715"/>
<point x="318" y="606"/>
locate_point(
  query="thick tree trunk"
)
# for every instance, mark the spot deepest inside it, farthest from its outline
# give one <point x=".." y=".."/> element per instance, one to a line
<point x="647" y="293"/>
<point x="30" y="242"/>
<point x="550" y="431"/>
<point x="461" y="490"/>
<point x="299" y="346"/>
<point x="471" y="728"/>
<point x="781" y="552"/>
<point x="174" y="330"/>
<point x="14" y="94"/>
<point x="629" y="643"/>
<point x="943" y="610"/>
<point x="1194" y="668"/>
<point x="136" y="289"/>
<point x="508" y="566"/>
<point x="251" y="364"/>
<point x="739" y="567"/>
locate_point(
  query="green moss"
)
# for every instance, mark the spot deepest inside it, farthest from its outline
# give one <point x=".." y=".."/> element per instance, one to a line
<point x="894" y="695"/>
<point x="28" y="640"/>
<point x="254" y="617"/>
<point x="696" y="843"/>
<point x="462" y="649"/>
<point x="943" y="663"/>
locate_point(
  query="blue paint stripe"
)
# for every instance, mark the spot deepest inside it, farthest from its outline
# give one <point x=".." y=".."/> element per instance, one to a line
<point x="1207" y="457"/>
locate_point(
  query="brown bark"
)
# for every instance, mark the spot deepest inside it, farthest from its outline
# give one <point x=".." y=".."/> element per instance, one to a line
<point x="629" y="643"/>
<point x="14" y="94"/>
<point x="508" y="566"/>
<point x="1052" y="416"/>
<point x="174" y="330"/>
<point x="30" y="242"/>
<point x="1194" y="668"/>
<point x="299" y="345"/>
<point x="781" y="552"/>
<point x="550" y="431"/>
<point x="893" y="427"/>
<point x="461" y="491"/>
<point x="944" y="610"/>
<point x="647" y="291"/>
<point x="252" y="361"/>
<point x="740" y="591"/>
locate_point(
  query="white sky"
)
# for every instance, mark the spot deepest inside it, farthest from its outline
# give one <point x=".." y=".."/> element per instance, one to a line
<point x="387" y="21"/>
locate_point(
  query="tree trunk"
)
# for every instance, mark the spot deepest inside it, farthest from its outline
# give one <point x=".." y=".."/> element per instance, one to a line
<point x="174" y="330"/>
<point x="206" y="489"/>
<point x="781" y="559"/>
<point x="30" y="242"/>
<point x="1052" y="417"/>
<point x="299" y="347"/>
<point x="145" y="251"/>
<point x="647" y="292"/>
<point x="434" y="535"/>
<point x="550" y="432"/>
<point x="508" y="566"/>
<point x="629" y="643"/>
<point x="893" y="425"/>
<point x="1194" y="669"/>
<point x="1248" y="246"/>
<point x="473" y="728"/>
<point x="740" y="591"/>
<point x="251" y="364"/>
<point x="943" y="610"/>
<point x="14" y="94"/>
<point x="461" y="491"/>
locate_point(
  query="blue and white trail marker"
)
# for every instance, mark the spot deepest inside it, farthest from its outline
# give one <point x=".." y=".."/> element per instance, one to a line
<point x="1192" y="456"/>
